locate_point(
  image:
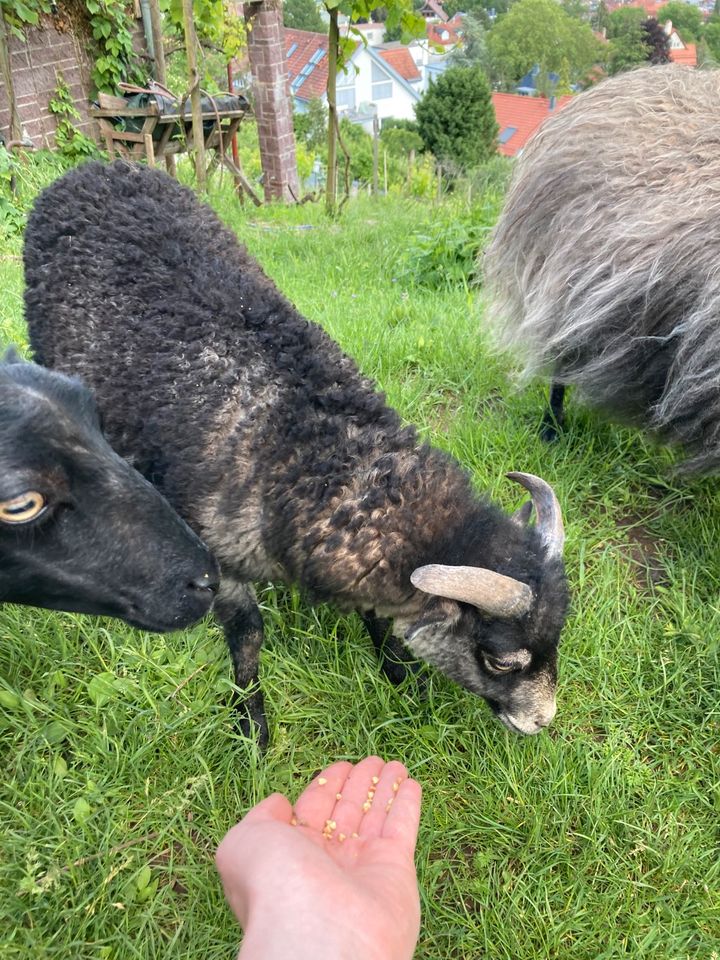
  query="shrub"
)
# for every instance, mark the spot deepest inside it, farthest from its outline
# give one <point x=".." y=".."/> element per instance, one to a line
<point x="456" y="119"/>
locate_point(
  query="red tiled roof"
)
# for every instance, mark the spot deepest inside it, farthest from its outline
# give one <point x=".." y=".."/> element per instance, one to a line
<point x="651" y="7"/>
<point x="400" y="59"/>
<point x="687" y="57"/>
<point x="435" y="8"/>
<point x="445" y="33"/>
<point x="307" y="44"/>
<point x="525" y="114"/>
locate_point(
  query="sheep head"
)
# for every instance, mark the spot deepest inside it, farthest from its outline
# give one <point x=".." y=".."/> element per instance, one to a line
<point x="496" y="634"/>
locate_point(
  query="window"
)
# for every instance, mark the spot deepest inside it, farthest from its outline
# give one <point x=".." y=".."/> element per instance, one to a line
<point x="292" y="50"/>
<point x="381" y="83"/>
<point x="307" y="70"/>
<point x="506" y="134"/>
<point x="345" y="89"/>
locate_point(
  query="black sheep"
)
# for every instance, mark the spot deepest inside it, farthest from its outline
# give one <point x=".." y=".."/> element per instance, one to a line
<point x="276" y="449"/>
<point x="79" y="528"/>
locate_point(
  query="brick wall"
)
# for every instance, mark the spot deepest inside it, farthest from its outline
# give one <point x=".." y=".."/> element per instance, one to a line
<point x="273" y="109"/>
<point x="34" y="64"/>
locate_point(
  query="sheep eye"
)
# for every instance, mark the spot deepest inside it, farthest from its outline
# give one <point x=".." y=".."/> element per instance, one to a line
<point x="22" y="509"/>
<point x="492" y="665"/>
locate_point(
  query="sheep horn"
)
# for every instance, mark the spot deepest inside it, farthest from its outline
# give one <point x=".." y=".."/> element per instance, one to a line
<point x="547" y="510"/>
<point x="491" y="592"/>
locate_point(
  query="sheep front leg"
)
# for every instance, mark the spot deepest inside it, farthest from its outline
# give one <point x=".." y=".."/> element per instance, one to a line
<point x="237" y="610"/>
<point x="394" y="658"/>
<point x="555" y="414"/>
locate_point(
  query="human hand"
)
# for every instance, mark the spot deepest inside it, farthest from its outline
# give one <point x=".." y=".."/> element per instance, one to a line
<point x="332" y="877"/>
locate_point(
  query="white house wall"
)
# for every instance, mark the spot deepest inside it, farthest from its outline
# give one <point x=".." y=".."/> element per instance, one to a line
<point x="399" y="105"/>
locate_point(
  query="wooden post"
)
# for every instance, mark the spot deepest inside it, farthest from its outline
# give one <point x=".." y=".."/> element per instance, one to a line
<point x="234" y="142"/>
<point x="160" y="65"/>
<point x="376" y="138"/>
<point x="6" y="74"/>
<point x="194" y="77"/>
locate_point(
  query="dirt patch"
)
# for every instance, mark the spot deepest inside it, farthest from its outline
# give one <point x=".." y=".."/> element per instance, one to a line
<point x="441" y="418"/>
<point x="644" y="552"/>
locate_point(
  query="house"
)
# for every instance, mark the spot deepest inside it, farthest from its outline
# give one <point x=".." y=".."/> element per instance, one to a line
<point x="433" y="10"/>
<point x="527" y="85"/>
<point x="447" y="34"/>
<point x="651" y="7"/>
<point x="382" y="81"/>
<point x="680" y="52"/>
<point x="372" y="33"/>
<point x="518" y="117"/>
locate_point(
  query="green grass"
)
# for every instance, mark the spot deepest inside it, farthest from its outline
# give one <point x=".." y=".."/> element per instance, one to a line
<point x="597" y="839"/>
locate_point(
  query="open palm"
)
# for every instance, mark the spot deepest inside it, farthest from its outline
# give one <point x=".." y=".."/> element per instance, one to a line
<point x="333" y="876"/>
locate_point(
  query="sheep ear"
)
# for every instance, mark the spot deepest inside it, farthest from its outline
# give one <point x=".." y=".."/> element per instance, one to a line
<point x="522" y="516"/>
<point x="424" y="636"/>
<point x="12" y="355"/>
<point x="491" y="592"/>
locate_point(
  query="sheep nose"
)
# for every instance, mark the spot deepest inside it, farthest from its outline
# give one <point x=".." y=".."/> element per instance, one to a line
<point x="544" y="718"/>
<point x="208" y="581"/>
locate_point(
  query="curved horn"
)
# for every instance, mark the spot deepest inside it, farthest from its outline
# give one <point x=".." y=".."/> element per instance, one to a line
<point x="493" y="593"/>
<point x="549" y="522"/>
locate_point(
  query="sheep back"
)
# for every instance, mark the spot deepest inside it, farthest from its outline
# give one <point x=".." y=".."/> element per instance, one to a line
<point x="602" y="270"/>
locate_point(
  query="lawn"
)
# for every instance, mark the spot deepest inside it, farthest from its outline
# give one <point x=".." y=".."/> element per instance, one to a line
<point x="598" y="839"/>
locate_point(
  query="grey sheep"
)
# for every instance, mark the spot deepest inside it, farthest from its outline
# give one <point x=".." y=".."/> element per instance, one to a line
<point x="602" y="271"/>
<point x="282" y="456"/>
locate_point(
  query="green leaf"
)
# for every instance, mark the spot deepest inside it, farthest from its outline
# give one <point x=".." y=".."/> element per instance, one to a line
<point x="60" y="767"/>
<point x="55" y="732"/>
<point x="25" y="13"/>
<point x="147" y="893"/>
<point x="81" y="810"/>
<point x="9" y="700"/>
<point x="143" y="878"/>
<point x="102" y="688"/>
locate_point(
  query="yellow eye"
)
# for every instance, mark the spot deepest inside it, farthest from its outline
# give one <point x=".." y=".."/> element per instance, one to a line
<point x="21" y="509"/>
<point x="497" y="666"/>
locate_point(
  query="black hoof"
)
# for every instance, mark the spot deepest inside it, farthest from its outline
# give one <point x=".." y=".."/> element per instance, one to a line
<point x="550" y="431"/>
<point x="251" y="719"/>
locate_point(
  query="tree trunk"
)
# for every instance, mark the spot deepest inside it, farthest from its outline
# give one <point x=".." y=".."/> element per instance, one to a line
<point x="6" y="74"/>
<point x="160" y="65"/>
<point x="194" y="77"/>
<point x="333" y="46"/>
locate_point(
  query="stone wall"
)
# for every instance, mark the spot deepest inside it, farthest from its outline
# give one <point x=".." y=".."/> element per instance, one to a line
<point x="35" y="64"/>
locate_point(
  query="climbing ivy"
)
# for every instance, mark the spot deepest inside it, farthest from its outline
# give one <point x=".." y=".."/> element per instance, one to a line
<point x="111" y="27"/>
<point x="110" y="23"/>
<point x="71" y="143"/>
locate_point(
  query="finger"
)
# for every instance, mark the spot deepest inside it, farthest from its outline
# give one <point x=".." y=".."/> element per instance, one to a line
<point x="361" y="782"/>
<point x="316" y="803"/>
<point x="403" y="819"/>
<point x="377" y="807"/>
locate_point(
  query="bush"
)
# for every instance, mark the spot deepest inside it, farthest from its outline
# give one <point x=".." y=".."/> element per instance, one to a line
<point x="456" y="119"/>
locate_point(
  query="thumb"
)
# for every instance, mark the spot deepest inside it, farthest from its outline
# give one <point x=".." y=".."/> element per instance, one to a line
<point x="275" y="807"/>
